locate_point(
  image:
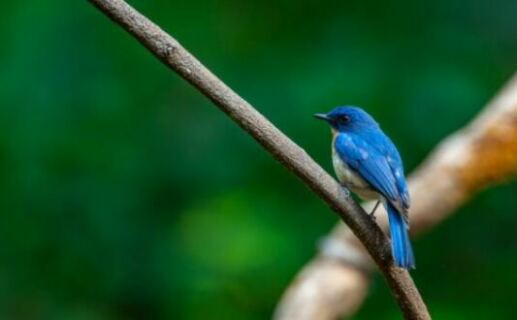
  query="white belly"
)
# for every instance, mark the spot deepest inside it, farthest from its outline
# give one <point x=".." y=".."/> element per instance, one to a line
<point x="352" y="180"/>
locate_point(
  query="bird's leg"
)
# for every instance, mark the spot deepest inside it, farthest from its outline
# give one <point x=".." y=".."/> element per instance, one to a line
<point x="372" y="214"/>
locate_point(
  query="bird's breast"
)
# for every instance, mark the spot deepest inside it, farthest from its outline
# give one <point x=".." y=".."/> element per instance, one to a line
<point x="351" y="179"/>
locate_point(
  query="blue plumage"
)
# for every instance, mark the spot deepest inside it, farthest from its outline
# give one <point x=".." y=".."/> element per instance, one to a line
<point x="400" y="242"/>
<point x="367" y="162"/>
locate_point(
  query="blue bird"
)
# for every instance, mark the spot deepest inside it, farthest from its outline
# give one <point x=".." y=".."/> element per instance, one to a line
<point x="367" y="162"/>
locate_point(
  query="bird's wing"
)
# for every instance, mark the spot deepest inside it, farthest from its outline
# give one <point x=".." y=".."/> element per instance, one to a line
<point x="395" y="162"/>
<point x="383" y="144"/>
<point x="370" y="163"/>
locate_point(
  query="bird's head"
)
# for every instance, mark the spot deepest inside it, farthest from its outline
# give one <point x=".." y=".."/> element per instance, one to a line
<point x="347" y="118"/>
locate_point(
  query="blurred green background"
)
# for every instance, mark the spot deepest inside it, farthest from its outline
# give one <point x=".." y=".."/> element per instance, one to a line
<point x="125" y="194"/>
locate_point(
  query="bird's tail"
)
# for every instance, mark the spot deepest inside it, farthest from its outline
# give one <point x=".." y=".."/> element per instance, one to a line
<point x="400" y="242"/>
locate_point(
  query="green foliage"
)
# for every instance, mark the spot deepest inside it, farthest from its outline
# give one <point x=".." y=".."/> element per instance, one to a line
<point x="126" y="195"/>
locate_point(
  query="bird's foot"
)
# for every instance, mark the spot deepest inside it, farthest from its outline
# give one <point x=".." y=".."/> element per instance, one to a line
<point x="346" y="191"/>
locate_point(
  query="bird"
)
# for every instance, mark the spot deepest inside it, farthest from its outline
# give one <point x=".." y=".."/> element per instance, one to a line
<point x="367" y="162"/>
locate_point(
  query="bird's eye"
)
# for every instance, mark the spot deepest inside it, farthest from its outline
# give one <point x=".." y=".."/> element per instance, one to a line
<point x="343" y="119"/>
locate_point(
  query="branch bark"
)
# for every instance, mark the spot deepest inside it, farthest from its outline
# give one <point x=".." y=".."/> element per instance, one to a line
<point x="334" y="284"/>
<point x="290" y="155"/>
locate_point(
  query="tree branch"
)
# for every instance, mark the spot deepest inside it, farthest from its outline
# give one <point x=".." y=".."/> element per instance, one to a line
<point x="172" y="54"/>
<point x="479" y="155"/>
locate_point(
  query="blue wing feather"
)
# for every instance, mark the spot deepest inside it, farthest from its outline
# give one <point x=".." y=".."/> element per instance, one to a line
<point x="374" y="163"/>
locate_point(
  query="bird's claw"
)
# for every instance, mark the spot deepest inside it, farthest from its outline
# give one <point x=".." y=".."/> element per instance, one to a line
<point x="346" y="191"/>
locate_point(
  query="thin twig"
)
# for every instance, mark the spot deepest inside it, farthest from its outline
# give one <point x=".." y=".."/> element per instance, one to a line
<point x="172" y="54"/>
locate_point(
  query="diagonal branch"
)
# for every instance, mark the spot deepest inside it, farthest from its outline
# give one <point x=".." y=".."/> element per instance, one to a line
<point x="289" y="154"/>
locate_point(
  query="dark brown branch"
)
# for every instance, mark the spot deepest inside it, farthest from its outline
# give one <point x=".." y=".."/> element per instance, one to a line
<point x="172" y="54"/>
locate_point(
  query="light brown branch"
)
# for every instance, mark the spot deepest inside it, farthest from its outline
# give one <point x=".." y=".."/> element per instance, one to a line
<point x="172" y="54"/>
<point x="334" y="283"/>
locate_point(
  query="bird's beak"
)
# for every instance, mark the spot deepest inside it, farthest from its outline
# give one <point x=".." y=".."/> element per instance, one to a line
<point x="321" y="116"/>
